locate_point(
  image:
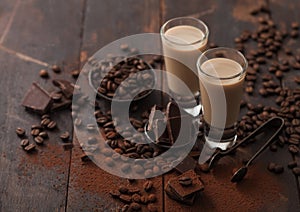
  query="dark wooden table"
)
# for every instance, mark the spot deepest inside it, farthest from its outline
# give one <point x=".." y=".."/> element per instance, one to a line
<point x="37" y="33"/>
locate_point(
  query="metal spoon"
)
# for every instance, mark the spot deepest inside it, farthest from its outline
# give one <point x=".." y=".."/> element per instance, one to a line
<point x="275" y="123"/>
<point x="241" y="172"/>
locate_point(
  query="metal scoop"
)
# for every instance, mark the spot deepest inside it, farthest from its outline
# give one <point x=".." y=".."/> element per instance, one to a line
<point x="274" y="125"/>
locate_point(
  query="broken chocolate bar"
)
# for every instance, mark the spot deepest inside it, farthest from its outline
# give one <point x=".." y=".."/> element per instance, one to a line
<point x="183" y="192"/>
<point x="37" y="99"/>
<point x="65" y="86"/>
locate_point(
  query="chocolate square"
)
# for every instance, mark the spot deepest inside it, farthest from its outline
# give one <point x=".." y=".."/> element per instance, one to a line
<point x="185" y="191"/>
<point x="37" y="99"/>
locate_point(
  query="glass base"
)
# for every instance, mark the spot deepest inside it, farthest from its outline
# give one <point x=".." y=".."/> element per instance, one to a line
<point x="220" y="138"/>
<point x="188" y="103"/>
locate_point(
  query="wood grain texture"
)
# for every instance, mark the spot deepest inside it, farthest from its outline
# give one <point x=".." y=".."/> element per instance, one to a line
<point x="35" y="181"/>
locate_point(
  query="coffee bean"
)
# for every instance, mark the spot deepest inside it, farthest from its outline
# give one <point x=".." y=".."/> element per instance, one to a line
<point x="56" y="68"/>
<point x="292" y="164"/>
<point x="152" y="207"/>
<point x="294" y="33"/>
<point x="78" y="122"/>
<point x="65" y="136"/>
<point x="39" y="140"/>
<point x="273" y="147"/>
<point x="125" y="208"/>
<point x="90" y="127"/>
<point x="75" y="73"/>
<point x="45" y="121"/>
<point x="35" y="132"/>
<point x="278" y="169"/>
<point x="148" y="185"/>
<point x="296" y="171"/>
<point x="136" y="198"/>
<point x="51" y="125"/>
<point x="134" y="190"/>
<point x="114" y="193"/>
<point x="111" y="135"/>
<point x="125" y="198"/>
<point x="43" y="134"/>
<point x="152" y="198"/>
<point x="293" y="149"/>
<point x="249" y="90"/>
<point x="124" y="47"/>
<point x="20" y="132"/>
<point x="144" y="200"/>
<point x="134" y="207"/>
<point x="185" y="181"/>
<point x="44" y="73"/>
<point x="85" y="157"/>
<point x="279" y="74"/>
<point x="29" y="148"/>
<point x="271" y="166"/>
<point x="36" y="127"/>
<point x="24" y="143"/>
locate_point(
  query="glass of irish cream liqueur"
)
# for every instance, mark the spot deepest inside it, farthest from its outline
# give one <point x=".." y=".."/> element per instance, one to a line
<point x="221" y="74"/>
<point x="183" y="40"/>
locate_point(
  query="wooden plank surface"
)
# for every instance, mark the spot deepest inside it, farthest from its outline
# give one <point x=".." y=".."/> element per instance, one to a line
<point x="41" y="29"/>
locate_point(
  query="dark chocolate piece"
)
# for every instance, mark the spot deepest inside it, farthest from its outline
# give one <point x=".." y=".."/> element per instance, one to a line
<point x="189" y="200"/>
<point x="67" y="88"/>
<point x="37" y="99"/>
<point x="185" y="191"/>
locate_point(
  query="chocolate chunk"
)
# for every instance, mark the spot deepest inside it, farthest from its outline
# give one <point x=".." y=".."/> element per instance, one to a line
<point x="37" y="99"/>
<point x="173" y="195"/>
<point x="66" y="87"/>
<point x="185" y="191"/>
<point x="187" y="164"/>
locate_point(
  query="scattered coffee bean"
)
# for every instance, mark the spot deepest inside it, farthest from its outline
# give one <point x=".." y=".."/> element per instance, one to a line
<point x="20" y="132"/>
<point x="24" y="143"/>
<point x="29" y="148"/>
<point x="292" y="164"/>
<point x="148" y="185"/>
<point x="293" y="149"/>
<point x="45" y="121"/>
<point x="51" y="125"/>
<point x="39" y="140"/>
<point x="125" y="198"/>
<point x="278" y="169"/>
<point x="75" y="73"/>
<point x="296" y="171"/>
<point x="136" y="198"/>
<point x="271" y="166"/>
<point x="65" y="136"/>
<point x="134" y="207"/>
<point x="114" y="193"/>
<point x="152" y="207"/>
<point x="44" y="73"/>
<point x="56" y="68"/>
<point x="43" y="134"/>
<point x="35" y="132"/>
<point x="123" y="190"/>
<point x="152" y="198"/>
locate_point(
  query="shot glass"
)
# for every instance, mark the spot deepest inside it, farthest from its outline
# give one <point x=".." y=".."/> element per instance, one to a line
<point x="183" y="40"/>
<point x="222" y="73"/>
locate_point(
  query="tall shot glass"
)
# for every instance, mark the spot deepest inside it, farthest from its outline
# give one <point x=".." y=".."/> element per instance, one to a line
<point x="222" y="73"/>
<point x="183" y="40"/>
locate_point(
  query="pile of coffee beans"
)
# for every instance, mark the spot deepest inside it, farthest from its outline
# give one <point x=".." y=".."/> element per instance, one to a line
<point x="136" y="198"/>
<point x="109" y="78"/>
